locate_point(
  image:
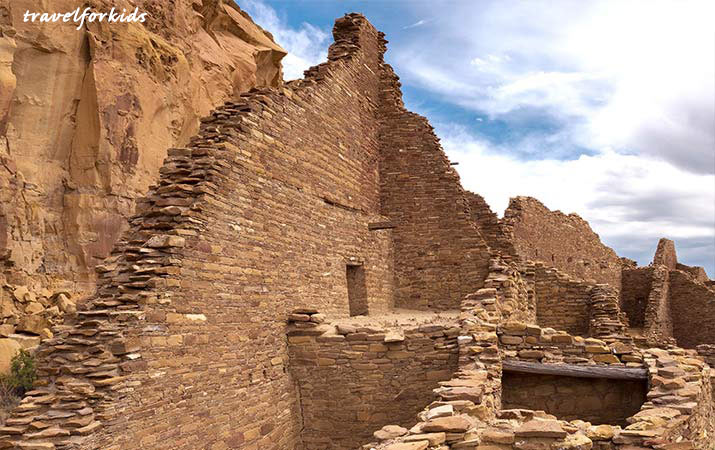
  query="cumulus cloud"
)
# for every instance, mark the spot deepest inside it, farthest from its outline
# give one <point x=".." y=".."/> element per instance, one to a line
<point x="637" y="79"/>
<point x="306" y="45"/>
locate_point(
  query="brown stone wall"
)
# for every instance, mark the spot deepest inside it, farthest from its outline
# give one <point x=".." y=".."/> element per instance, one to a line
<point x="490" y="227"/>
<point x="635" y="289"/>
<point x="595" y="400"/>
<point x="697" y="272"/>
<point x="658" y="326"/>
<point x="353" y="383"/>
<point x="562" y="303"/>
<point x="562" y="241"/>
<point x="440" y="255"/>
<point x="692" y="309"/>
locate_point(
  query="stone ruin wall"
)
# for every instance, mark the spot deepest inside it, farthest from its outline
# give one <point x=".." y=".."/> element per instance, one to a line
<point x="692" y="310"/>
<point x="562" y="303"/>
<point x="258" y="215"/>
<point x="440" y="255"/>
<point x="491" y="228"/>
<point x="668" y="301"/>
<point x="565" y="242"/>
<point x="86" y="117"/>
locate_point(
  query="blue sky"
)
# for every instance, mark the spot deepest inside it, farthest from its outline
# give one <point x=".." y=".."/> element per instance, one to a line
<point x="602" y="108"/>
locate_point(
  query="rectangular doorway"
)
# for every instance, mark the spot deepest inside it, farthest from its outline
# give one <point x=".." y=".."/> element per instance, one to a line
<point x="357" y="292"/>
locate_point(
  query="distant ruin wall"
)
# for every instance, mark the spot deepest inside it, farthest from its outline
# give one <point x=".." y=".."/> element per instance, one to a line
<point x="440" y="256"/>
<point x="260" y="214"/>
<point x="562" y="303"/>
<point x="353" y="383"/>
<point x="693" y="310"/>
<point x="698" y="273"/>
<point x="566" y="242"/>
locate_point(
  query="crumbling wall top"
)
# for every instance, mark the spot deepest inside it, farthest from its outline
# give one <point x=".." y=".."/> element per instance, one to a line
<point x="665" y="254"/>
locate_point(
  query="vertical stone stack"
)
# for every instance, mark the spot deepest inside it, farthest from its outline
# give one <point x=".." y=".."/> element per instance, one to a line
<point x="658" y="321"/>
<point x="606" y="318"/>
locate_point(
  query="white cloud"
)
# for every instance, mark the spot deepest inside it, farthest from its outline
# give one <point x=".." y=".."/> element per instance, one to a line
<point x="635" y="77"/>
<point x="416" y="24"/>
<point x="306" y="46"/>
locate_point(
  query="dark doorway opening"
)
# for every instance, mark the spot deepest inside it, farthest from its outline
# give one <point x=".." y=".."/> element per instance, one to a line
<point x="357" y="291"/>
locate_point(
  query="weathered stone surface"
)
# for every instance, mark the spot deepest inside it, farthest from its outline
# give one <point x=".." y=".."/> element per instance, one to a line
<point x="8" y="349"/>
<point x="389" y="432"/>
<point x="541" y="428"/>
<point x="455" y="424"/>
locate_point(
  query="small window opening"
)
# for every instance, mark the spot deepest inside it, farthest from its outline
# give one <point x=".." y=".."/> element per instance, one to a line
<point x="357" y="292"/>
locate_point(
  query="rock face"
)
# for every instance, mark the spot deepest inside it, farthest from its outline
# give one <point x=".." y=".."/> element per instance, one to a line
<point x="86" y="117"/>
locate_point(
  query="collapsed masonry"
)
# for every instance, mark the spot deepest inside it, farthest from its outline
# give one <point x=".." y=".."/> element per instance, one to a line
<point x="325" y="202"/>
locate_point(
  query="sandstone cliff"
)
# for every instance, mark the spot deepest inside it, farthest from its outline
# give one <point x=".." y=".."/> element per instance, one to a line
<point x="86" y="117"/>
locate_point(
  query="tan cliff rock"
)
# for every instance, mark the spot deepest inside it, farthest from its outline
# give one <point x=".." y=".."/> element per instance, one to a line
<point x="87" y="116"/>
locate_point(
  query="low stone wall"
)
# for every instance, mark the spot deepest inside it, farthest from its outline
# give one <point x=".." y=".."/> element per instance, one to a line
<point x="546" y="345"/>
<point x="678" y="415"/>
<point x="467" y="415"/>
<point x="355" y="379"/>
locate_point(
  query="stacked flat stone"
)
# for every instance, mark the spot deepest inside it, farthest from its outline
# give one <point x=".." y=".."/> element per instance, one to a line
<point x="606" y="317"/>
<point x="305" y="318"/>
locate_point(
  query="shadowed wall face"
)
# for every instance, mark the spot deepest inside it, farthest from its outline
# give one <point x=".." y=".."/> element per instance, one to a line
<point x="635" y="290"/>
<point x="692" y="310"/>
<point x="596" y="400"/>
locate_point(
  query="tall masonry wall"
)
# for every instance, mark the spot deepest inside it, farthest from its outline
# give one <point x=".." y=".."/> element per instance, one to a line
<point x="492" y="230"/>
<point x="565" y="242"/>
<point x="184" y="346"/>
<point x="440" y="255"/>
